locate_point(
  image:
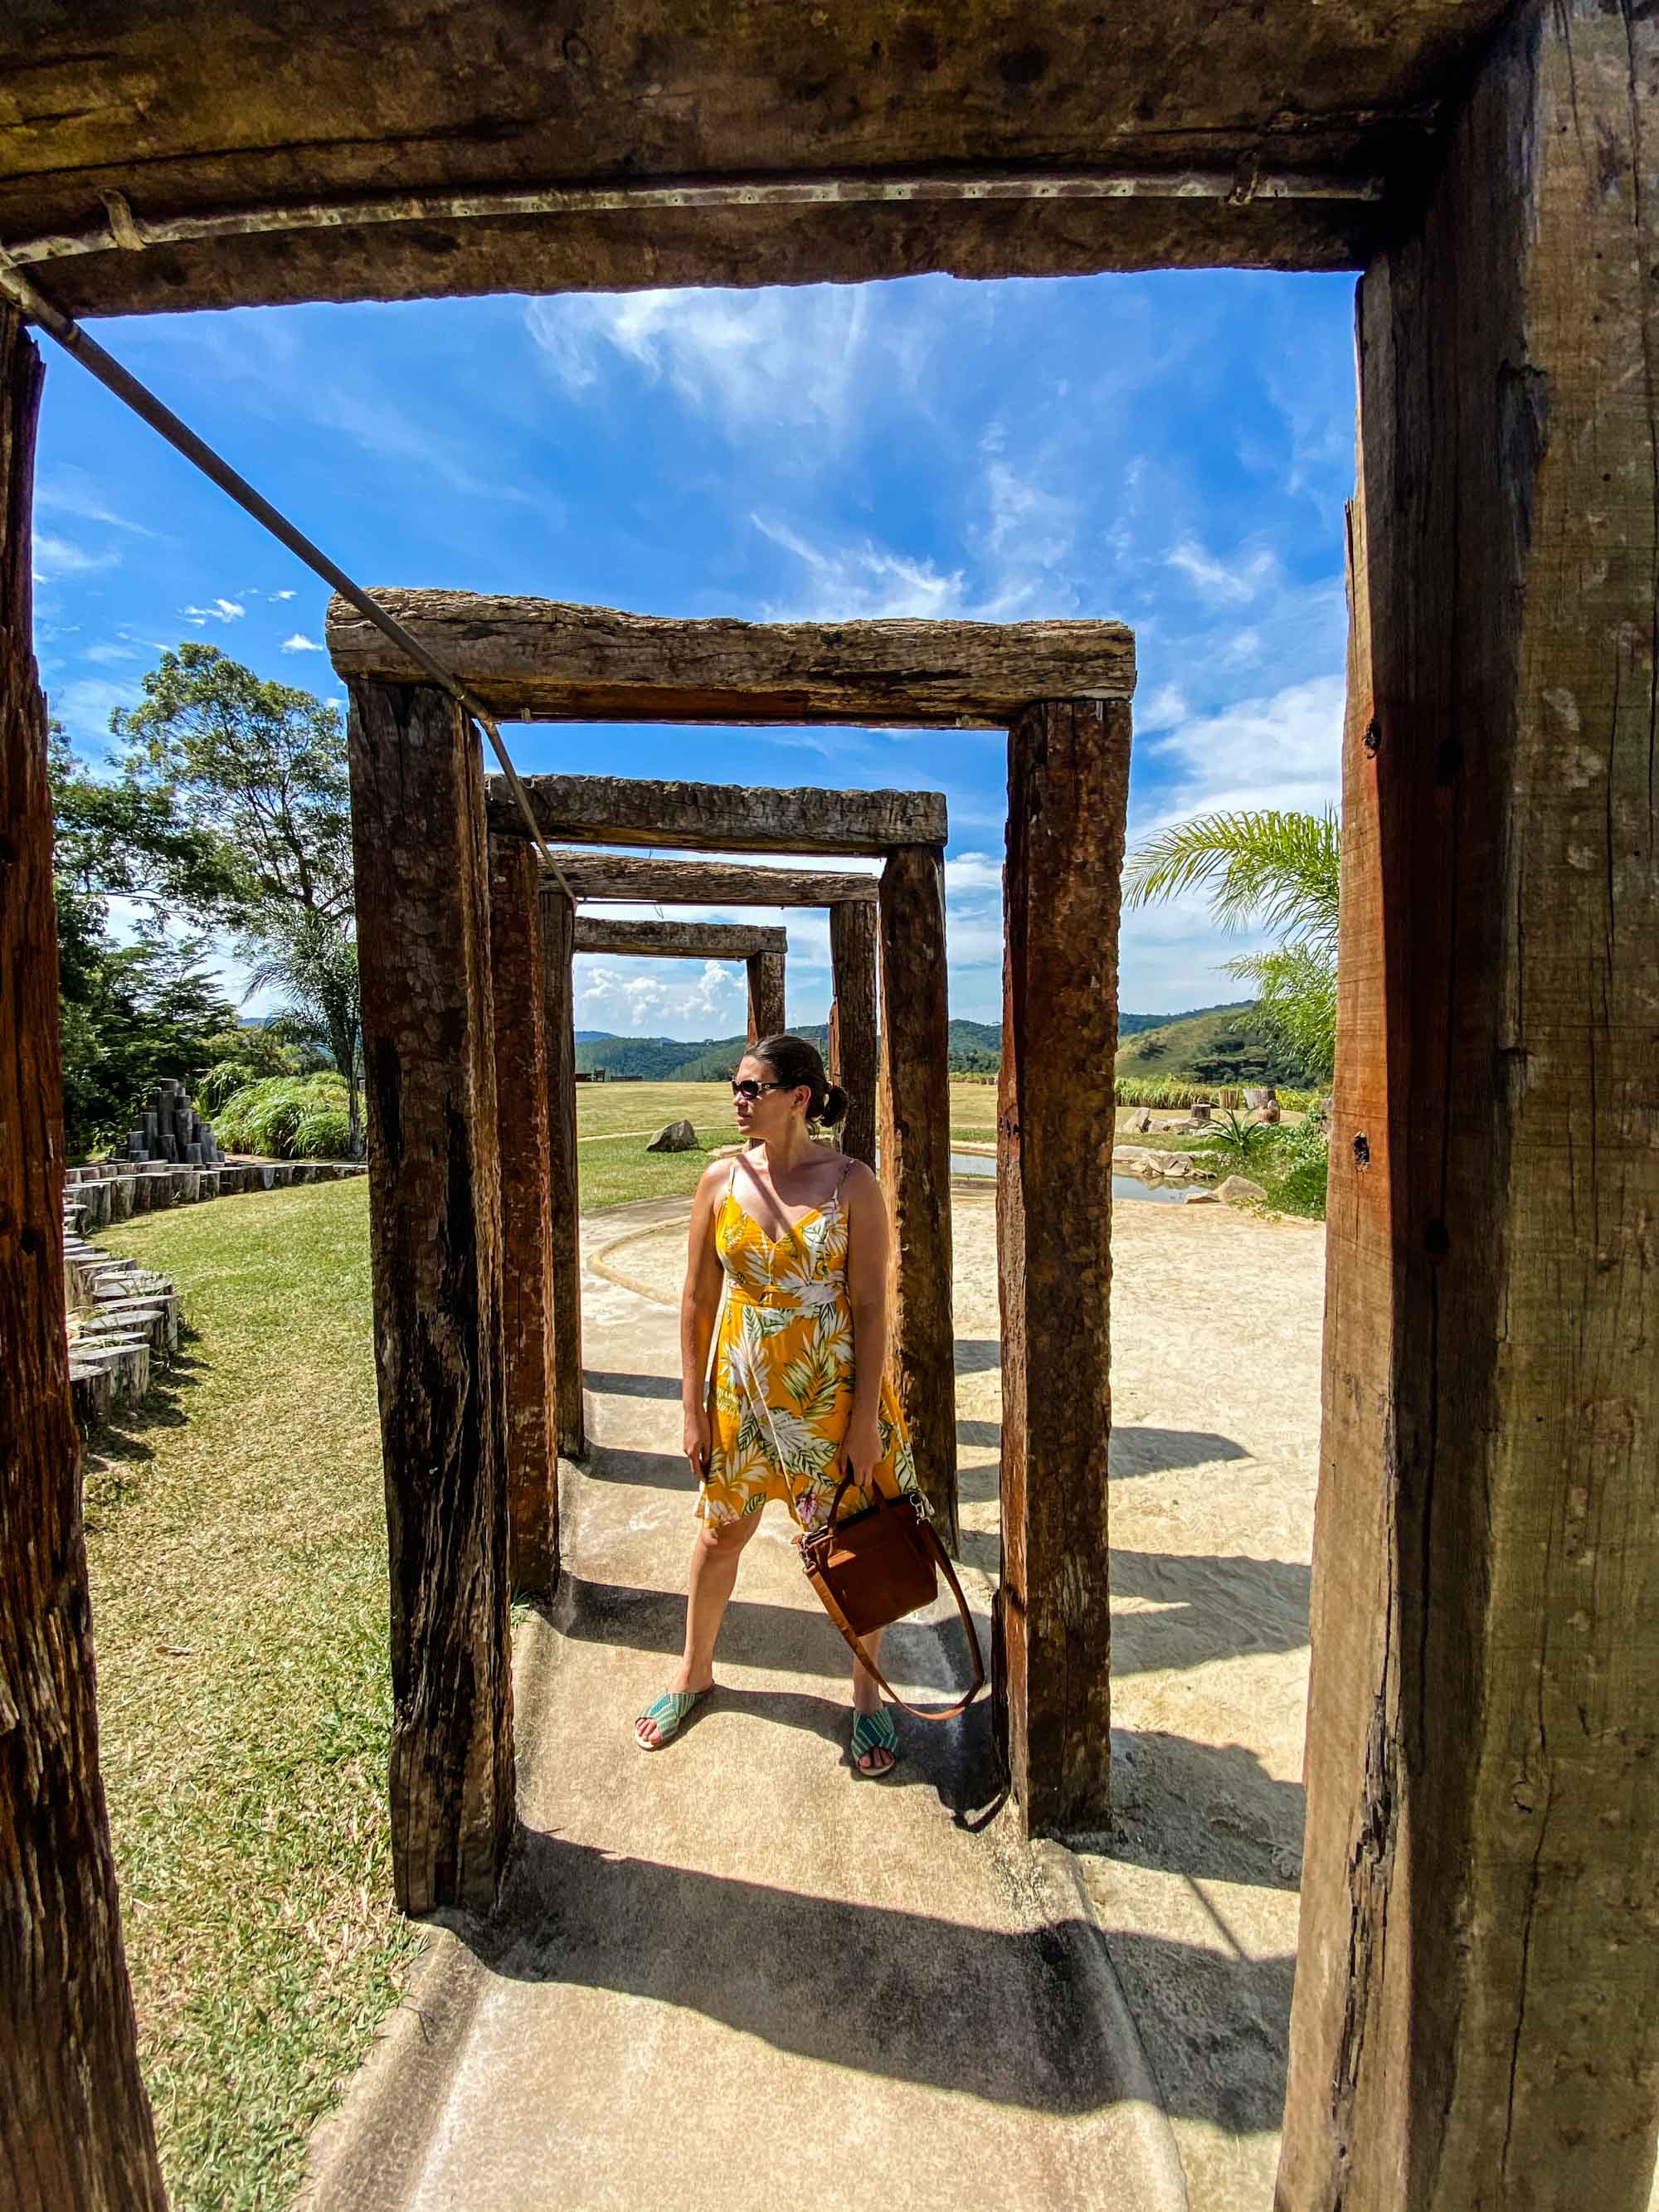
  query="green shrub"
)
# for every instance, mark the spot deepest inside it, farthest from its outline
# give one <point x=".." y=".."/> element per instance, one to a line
<point x="287" y="1117"/>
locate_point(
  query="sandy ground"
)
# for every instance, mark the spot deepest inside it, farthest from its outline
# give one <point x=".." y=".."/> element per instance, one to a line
<point x="1216" y="1328"/>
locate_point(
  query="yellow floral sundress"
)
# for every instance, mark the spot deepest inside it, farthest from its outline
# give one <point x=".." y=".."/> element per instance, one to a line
<point x="781" y="1392"/>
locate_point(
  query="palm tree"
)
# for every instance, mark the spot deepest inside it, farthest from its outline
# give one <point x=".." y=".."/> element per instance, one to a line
<point x="1270" y="871"/>
<point x="313" y="957"/>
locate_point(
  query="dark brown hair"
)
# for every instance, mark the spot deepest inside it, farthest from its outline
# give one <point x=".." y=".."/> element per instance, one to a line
<point x="796" y="1062"/>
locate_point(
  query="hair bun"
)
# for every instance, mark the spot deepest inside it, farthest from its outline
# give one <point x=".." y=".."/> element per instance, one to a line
<point x="835" y="1106"/>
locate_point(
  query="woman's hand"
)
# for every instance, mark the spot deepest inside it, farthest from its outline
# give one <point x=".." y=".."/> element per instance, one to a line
<point x="696" y="1445"/>
<point x="863" y="1450"/>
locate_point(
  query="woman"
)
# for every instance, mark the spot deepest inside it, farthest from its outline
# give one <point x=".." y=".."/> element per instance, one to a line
<point x="798" y="1393"/>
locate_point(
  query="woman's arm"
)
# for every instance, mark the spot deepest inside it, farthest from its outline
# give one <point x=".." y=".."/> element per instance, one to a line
<point x="699" y="1304"/>
<point x="867" y="1241"/>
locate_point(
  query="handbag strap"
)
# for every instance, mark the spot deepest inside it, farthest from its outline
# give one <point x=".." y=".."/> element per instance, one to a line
<point x="942" y="1557"/>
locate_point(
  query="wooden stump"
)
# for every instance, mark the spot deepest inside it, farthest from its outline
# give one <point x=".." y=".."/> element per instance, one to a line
<point x="1476" y="2015"/>
<point x="853" y="953"/>
<point x="914" y="1120"/>
<point x="77" y="2128"/>
<point x="517" y="988"/>
<point x="558" y="939"/>
<point x="434" y="1237"/>
<point x="767" y="1017"/>
<point x="1068" y="781"/>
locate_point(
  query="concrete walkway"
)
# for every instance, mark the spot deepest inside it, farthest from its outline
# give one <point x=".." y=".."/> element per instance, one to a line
<point x="734" y="1973"/>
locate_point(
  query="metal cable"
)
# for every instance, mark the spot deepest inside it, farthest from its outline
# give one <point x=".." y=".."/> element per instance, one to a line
<point x="80" y="346"/>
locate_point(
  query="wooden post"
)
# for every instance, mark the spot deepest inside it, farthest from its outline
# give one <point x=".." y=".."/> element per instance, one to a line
<point x="1476" y="2016"/>
<point x="853" y="936"/>
<point x="517" y="988"/>
<point x="77" y="2128"/>
<point x="1068" y="784"/>
<point x="914" y="1122"/>
<point x="558" y="937"/>
<point x="767" y="1017"/>
<point x="434" y="1240"/>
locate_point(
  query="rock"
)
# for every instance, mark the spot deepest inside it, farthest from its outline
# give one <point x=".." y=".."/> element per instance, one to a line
<point x="1239" y="1189"/>
<point x="1143" y="1121"/>
<point x="1269" y="1112"/>
<point x="674" y="1137"/>
<point x="1199" y="1198"/>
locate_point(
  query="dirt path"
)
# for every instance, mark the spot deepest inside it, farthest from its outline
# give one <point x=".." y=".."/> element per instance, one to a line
<point x="1216" y="1320"/>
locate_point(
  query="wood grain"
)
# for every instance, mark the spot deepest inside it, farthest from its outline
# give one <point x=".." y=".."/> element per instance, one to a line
<point x="74" y="2122"/>
<point x="1068" y="783"/>
<point x="559" y="663"/>
<point x="721" y="817"/>
<point x="621" y="877"/>
<point x="854" y="954"/>
<point x="1476" y="2018"/>
<point x="558" y="942"/>
<point x="520" y="1034"/>
<point x="422" y="897"/>
<point x="676" y="940"/>
<point x="765" y="977"/>
<point x="913" y="1113"/>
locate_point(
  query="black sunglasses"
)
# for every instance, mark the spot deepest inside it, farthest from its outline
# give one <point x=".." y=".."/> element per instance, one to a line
<point x="751" y="1090"/>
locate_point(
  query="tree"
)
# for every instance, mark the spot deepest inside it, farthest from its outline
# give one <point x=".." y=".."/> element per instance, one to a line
<point x="256" y="768"/>
<point x="1275" y="871"/>
<point x="313" y="957"/>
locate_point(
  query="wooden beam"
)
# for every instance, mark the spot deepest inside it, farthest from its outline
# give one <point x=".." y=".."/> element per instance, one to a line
<point x="1068" y="784"/>
<point x="422" y="898"/>
<point x="914" y="1125"/>
<point x="77" y="2128"/>
<point x="520" y="1041"/>
<point x="558" y="944"/>
<point x="677" y="940"/>
<point x="720" y="817"/>
<point x="621" y="877"/>
<point x="766" y="982"/>
<point x="1476" y="2016"/>
<point x="853" y="1028"/>
<point x="557" y="662"/>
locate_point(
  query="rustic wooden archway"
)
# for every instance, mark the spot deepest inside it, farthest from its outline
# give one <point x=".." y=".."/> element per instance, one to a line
<point x="1068" y="774"/>
<point x="1475" y="2011"/>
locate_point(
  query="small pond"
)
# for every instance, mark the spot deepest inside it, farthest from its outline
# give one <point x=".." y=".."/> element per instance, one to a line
<point x="1123" y="1186"/>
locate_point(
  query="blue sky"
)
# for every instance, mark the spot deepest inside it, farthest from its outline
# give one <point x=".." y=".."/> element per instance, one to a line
<point x="1170" y="450"/>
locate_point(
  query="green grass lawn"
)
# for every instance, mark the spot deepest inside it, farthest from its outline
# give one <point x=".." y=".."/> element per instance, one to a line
<point x="237" y="1547"/>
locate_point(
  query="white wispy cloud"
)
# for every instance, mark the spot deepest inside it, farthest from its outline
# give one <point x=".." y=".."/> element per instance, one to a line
<point x="111" y="653"/>
<point x="84" y="707"/>
<point x="284" y="595"/>
<point x="758" y="361"/>
<point x="1237" y="581"/>
<point x="57" y="557"/>
<point x="301" y="643"/>
<point x="221" y="610"/>
<point x="639" y="993"/>
<point x="866" y="582"/>
<point x="1280" y="750"/>
<point x="69" y="490"/>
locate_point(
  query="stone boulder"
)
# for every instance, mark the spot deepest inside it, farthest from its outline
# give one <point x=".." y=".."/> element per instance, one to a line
<point x="1143" y="1121"/>
<point x="1199" y="1198"/>
<point x="674" y="1137"/>
<point x="1238" y="1190"/>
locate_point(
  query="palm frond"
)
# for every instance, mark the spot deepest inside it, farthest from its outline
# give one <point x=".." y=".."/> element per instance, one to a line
<point x="1264" y="868"/>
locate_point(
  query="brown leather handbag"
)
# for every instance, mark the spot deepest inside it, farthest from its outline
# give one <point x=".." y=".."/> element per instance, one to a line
<point x="875" y="1567"/>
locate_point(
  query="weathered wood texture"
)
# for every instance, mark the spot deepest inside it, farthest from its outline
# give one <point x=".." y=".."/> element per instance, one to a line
<point x="853" y="1028"/>
<point x="558" y="942"/>
<point x="621" y="877"/>
<point x="765" y="976"/>
<point x="912" y="1116"/>
<point x="242" y="105"/>
<point x="520" y="1034"/>
<point x="423" y="895"/>
<point x="75" y="2123"/>
<point x="561" y="662"/>
<point x="677" y="940"/>
<point x="1068" y="786"/>
<point x="721" y="818"/>
<point x="1476" y="2018"/>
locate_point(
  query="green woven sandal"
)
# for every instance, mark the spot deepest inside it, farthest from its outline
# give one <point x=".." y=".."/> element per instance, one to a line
<point x="874" y="1732"/>
<point x="668" y="1715"/>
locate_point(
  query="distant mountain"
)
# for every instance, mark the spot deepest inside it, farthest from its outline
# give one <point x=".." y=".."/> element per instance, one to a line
<point x="1219" y="1044"/>
<point x="976" y="1049"/>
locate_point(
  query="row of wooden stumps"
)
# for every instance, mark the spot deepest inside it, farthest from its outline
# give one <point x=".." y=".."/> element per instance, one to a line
<point x="466" y="952"/>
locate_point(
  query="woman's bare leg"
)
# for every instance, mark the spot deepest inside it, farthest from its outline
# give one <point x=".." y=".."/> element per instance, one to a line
<point x="866" y="1698"/>
<point x="715" y="1556"/>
